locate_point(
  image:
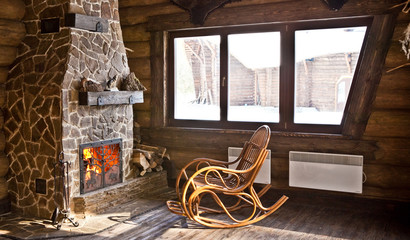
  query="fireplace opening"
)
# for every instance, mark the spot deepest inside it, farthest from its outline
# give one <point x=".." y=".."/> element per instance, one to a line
<point x="100" y="164"/>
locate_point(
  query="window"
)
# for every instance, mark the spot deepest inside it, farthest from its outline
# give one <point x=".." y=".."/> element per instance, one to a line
<point x="322" y="57"/>
<point x="197" y="61"/>
<point x="253" y="77"/>
<point x="294" y="76"/>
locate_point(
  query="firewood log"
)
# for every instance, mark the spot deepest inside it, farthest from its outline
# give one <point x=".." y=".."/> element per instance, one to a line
<point x="147" y="154"/>
<point x="153" y="164"/>
<point x="158" y="150"/>
<point x="140" y="160"/>
<point x="137" y="172"/>
<point x="158" y="160"/>
<point x="159" y="168"/>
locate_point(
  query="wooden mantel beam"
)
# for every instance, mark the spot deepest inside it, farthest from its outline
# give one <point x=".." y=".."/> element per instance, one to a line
<point x="90" y="23"/>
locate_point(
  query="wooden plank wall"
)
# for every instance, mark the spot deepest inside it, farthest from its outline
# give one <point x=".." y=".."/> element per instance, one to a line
<point x="389" y="122"/>
<point x="385" y="143"/>
<point x="12" y="32"/>
<point x="134" y="17"/>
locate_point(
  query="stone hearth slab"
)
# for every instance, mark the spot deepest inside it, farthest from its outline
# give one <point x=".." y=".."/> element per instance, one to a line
<point x="99" y="201"/>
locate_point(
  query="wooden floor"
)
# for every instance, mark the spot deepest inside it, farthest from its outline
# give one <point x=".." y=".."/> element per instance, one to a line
<point x="296" y="219"/>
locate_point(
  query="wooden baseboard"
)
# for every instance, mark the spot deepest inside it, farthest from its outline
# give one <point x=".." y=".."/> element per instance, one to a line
<point x="337" y="200"/>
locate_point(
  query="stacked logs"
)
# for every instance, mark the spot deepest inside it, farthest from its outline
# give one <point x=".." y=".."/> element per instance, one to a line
<point x="12" y="32"/>
<point x="149" y="158"/>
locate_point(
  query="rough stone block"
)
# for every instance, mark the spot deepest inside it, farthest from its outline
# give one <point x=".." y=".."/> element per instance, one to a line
<point x="69" y="143"/>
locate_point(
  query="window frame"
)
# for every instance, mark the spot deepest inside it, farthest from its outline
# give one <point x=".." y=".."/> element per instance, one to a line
<point x="286" y="77"/>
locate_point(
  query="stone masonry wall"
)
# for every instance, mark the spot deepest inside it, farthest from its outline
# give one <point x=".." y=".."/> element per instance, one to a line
<point x="33" y="113"/>
<point x="43" y="117"/>
<point x="99" y="56"/>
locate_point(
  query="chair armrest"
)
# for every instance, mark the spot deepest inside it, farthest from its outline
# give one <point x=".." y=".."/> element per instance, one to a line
<point x="207" y="162"/>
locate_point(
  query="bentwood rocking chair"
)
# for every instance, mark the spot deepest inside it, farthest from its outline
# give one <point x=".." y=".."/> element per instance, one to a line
<point x="213" y="178"/>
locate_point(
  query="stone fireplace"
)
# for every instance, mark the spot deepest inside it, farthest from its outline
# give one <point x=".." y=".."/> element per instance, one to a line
<point x="44" y="117"/>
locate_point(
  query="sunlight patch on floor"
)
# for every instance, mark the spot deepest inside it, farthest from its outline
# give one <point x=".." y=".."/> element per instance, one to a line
<point x="248" y="232"/>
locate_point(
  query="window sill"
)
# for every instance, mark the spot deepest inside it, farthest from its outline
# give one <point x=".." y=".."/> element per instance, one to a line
<point x="244" y="132"/>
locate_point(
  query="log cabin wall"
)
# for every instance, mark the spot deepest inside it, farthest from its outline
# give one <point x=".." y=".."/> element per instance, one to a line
<point x="12" y="31"/>
<point x="384" y="141"/>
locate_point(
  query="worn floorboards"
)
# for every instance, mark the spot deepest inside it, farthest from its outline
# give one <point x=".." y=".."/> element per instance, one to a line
<point x="294" y="220"/>
<point x="303" y="216"/>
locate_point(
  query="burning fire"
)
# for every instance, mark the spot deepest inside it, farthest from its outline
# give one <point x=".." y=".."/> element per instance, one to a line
<point x="91" y="156"/>
<point x="91" y="169"/>
<point x="88" y="156"/>
<point x="87" y="153"/>
<point x="112" y="160"/>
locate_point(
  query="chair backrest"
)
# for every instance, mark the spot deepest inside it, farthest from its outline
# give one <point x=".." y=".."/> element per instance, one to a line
<point x="253" y="153"/>
<point x="261" y="136"/>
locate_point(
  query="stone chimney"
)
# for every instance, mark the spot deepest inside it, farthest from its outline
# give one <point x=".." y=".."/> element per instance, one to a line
<point x="43" y="116"/>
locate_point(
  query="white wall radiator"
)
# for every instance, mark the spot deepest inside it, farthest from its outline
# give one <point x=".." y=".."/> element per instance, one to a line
<point x="325" y="171"/>
<point x="264" y="173"/>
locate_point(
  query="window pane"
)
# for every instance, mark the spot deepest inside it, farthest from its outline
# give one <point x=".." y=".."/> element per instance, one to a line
<point x="325" y="64"/>
<point x="197" y="78"/>
<point x="253" y="87"/>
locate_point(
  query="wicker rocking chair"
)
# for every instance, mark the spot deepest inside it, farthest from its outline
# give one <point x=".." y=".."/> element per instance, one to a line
<point x="214" y="178"/>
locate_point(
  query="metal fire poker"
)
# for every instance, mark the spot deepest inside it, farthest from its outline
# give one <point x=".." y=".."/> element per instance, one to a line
<point x="61" y="215"/>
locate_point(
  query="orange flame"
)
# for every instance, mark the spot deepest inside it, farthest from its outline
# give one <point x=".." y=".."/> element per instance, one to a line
<point x="89" y="154"/>
<point x="91" y="169"/>
<point x="113" y="160"/>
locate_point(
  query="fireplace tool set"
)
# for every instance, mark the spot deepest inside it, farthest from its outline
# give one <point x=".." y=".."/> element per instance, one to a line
<point x="62" y="215"/>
